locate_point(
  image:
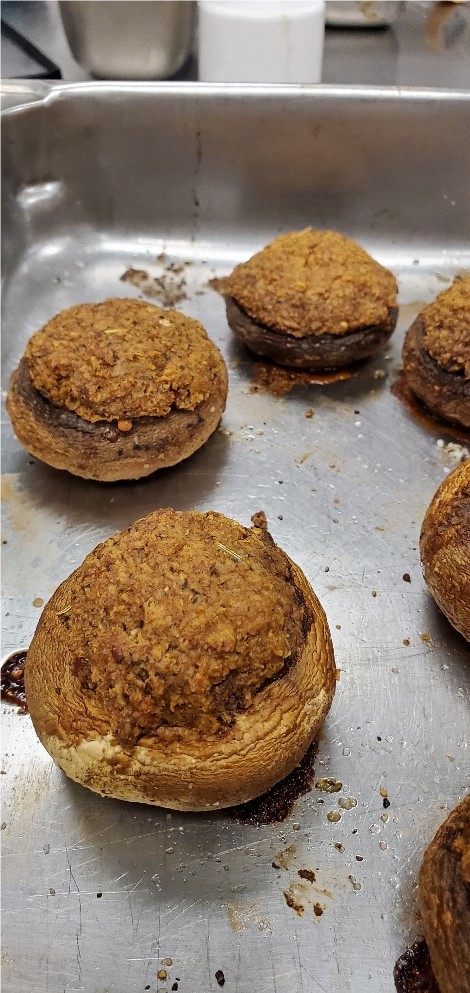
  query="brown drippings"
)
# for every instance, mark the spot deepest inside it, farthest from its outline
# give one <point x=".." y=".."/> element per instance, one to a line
<point x="273" y="379"/>
<point x="318" y="909"/>
<point x="293" y="903"/>
<point x="413" y="971"/>
<point x="402" y="392"/>
<point x="307" y="874"/>
<point x="13" y="680"/>
<point x="169" y="288"/>
<point x="277" y="803"/>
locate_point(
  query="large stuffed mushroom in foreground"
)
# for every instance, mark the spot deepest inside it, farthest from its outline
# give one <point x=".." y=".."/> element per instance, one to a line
<point x="186" y="663"/>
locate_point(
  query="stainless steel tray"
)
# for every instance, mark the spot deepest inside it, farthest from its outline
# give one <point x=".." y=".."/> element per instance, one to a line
<point x="101" y="178"/>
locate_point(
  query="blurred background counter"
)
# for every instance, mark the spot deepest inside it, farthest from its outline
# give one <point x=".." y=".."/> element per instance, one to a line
<point x="428" y="44"/>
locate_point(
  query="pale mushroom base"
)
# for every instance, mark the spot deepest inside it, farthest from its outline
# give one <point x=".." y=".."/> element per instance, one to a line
<point x="444" y="896"/>
<point x="312" y="351"/>
<point x="180" y="768"/>
<point x="101" y="451"/>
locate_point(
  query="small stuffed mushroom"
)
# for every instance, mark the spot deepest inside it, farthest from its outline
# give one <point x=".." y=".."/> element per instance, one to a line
<point x="312" y="299"/>
<point x="116" y="390"/>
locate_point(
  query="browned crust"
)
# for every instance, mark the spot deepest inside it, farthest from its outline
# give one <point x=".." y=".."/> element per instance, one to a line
<point x="444" y="896"/>
<point x="313" y="351"/>
<point x="122" y="359"/>
<point x="100" y="450"/>
<point x="445" y="393"/>
<point x="445" y="548"/>
<point x="180" y="767"/>
<point x="313" y="282"/>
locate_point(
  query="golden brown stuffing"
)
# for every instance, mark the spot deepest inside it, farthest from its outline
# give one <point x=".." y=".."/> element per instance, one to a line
<point x="180" y="621"/>
<point x="447" y="327"/>
<point x="122" y="359"/>
<point x="313" y="282"/>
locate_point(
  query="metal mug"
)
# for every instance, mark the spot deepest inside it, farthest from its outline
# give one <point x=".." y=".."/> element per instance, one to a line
<point x="139" y="39"/>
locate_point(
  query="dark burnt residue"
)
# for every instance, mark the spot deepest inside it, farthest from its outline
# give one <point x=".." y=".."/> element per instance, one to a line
<point x="276" y="380"/>
<point x="401" y="391"/>
<point x="13" y="679"/>
<point x="307" y="874"/>
<point x="277" y="803"/>
<point x="413" y="971"/>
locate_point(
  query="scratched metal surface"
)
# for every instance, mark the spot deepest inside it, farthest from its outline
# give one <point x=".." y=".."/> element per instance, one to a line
<point x="98" y="893"/>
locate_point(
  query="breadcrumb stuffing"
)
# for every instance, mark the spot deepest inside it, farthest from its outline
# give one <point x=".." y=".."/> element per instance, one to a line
<point x="123" y="359"/>
<point x="313" y="282"/>
<point x="447" y="327"/>
<point x="180" y="620"/>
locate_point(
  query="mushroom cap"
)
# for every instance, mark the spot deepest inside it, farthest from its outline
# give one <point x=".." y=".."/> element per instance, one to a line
<point x="445" y="547"/>
<point x="214" y="691"/>
<point x="444" y="898"/>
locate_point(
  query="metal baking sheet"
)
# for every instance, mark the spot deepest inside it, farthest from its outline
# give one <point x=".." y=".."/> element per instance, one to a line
<point x="101" y="178"/>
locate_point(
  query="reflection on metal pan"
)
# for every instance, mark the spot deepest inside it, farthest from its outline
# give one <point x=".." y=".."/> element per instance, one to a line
<point x="100" y="895"/>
